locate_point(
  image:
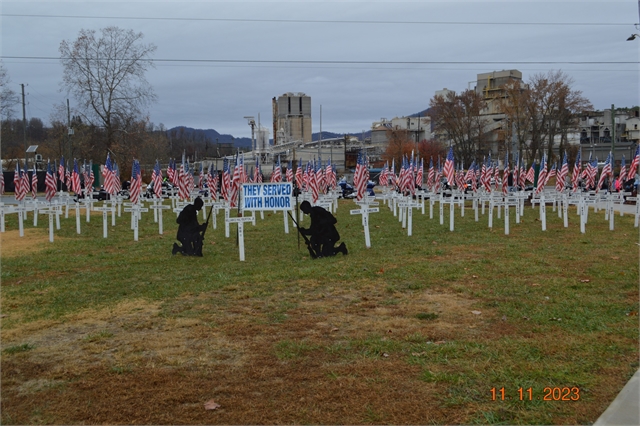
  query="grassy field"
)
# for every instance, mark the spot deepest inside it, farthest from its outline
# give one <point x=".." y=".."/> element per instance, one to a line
<point x="415" y="330"/>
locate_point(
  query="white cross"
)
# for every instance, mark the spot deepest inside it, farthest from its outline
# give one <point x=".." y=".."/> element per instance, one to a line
<point x="240" y="221"/>
<point x="105" y="210"/>
<point x="364" y="211"/>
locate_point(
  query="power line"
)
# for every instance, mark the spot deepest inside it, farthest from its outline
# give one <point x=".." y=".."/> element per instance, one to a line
<point x="324" y="62"/>
<point x="317" y="21"/>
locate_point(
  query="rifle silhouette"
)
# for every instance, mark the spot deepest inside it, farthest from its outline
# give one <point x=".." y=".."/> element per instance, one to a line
<point x="306" y="240"/>
<point x="206" y="223"/>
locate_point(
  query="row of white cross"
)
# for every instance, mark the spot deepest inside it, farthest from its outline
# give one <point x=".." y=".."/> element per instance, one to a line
<point x="402" y="207"/>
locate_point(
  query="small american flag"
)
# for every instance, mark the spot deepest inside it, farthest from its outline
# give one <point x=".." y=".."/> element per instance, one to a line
<point x="136" y="183"/>
<point x="34" y="184"/>
<point x="420" y="174"/>
<point x="235" y="183"/>
<point x="276" y="174"/>
<point x="17" y="183"/>
<point x="75" y="178"/>
<point x="575" y="175"/>
<point x="49" y="183"/>
<point x="313" y="183"/>
<point x="590" y="172"/>
<point x="330" y="175"/>
<point x="562" y="174"/>
<point x="359" y="177"/>
<point x="516" y="171"/>
<point x="523" y="175"/>
<point x="212" y="183"/>
<point x="61" y="170"/>
<point x="531" y="174"/>
<point x="448" y="167"/>
<point x="542" y="176"/>
<point x="156" y="178"/>
<point x="505" y="175"/>
<point x="109" y="177"/>
<point x="551" y="173"/>
<point x="1" y="180"/>
<point x="431" y="175"/>
<point x="383" y="179"/>
<point x="226" y="180"/>
<point x="606" y="171"/>
<point x="289" y="172"/>
<point x="623" y="170"/>
<point x="634" y="163"/>
<point x="322" y="179"/>
<point x="299" y="176"/>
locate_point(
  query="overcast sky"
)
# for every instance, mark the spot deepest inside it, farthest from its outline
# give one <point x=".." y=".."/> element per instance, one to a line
<point x="381" y="59"/>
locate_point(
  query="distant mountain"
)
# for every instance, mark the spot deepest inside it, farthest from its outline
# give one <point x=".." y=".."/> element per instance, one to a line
<point x="200" y="135"/>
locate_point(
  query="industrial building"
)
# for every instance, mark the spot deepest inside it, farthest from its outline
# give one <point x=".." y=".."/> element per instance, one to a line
<point x="291" y="118"/>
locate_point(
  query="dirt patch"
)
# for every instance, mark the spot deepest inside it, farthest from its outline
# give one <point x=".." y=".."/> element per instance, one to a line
<point x="13" y="245"/>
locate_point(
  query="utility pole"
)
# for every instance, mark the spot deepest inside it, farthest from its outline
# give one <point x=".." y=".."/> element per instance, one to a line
<point x="24" y="129"/>
<point x="320" y="136"/>
<point x="69" y="130"/>
<point x="613" y="136"/>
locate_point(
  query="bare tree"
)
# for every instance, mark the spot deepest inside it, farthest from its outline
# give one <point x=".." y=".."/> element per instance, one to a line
<point x="459" y="118"/>
<point x="106" y="75"/>
<point x="8" y="98"/>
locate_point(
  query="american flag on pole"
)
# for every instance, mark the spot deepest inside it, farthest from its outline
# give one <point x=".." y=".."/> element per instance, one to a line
<point x="420" y="174"/>
<point x="49" y="183"/>
<point x="276" y="174"/>
<point x="448" y="167"/>
<point x="330" y="175"/>
<point x="109" y="177"/>
<point x="299" y="176"/>
<point x="212" y="183"/>
<point x="633" y="168"/>
<point x="531" y="174"/>
<point x="61" y="170"/>
<point x="156" y="178"/>
<point x="136" y="183"/>
<point x="322" y="181"/>
<point x="542" y="176"/>
<point x="257" y="172"/>
<point x="551" y="173"/>
<point x="505" y="175"/>
<point x="562" y="174"/>
<point x="183" y="181"/>
<point x="21" y="184"/>
<point x="516" y="171"/>
<point x="523" y="175"/>
<point x="575" y="175"/>
<point x="313" y="182"/>
<point x="474" y="177"/>
<point x="225" y="187"/>
<point x="34" y="184"/>
<point x="67" y="177"/>
<point x="75" y="178"/>
<point x="488" y="172"/>
<point x="359" y="177"/>
<point x="606" y="171"/>
<point x="623" y="170"/>
<point x="235" y="183"/>
<point x="92" y="177"/>
<point x="383" y="180"/>
<point x="289" y="172"/>
<point x="1" y="179"/>
<point x="590" y="172"/>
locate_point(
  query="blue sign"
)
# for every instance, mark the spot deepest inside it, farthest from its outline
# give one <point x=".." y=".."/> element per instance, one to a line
<point x="267" y="196"/>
